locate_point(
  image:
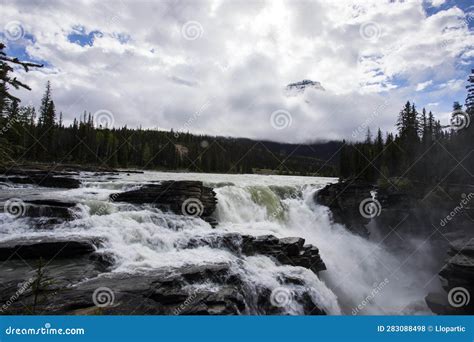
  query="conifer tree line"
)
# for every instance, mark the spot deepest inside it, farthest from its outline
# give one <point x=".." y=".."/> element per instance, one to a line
<point x="422" y="149"/>
<point x="41" y="136"/>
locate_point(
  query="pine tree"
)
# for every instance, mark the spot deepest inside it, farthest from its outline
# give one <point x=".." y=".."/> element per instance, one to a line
<point x="45" y="104"/>
<point x="470" y="94"/>
<point x="368" y="136"/>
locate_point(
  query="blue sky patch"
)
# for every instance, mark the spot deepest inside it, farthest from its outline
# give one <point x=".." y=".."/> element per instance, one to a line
<point x="81" y="37"/>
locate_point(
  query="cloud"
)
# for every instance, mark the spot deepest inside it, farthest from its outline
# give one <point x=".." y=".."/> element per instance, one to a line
<point x="452" y="84"/>
<point x="150" y="67"/>
<point x="437" y="3"/>
<point x="423" y="85"/>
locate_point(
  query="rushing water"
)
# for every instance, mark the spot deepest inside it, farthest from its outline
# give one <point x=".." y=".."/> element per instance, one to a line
<point x="362" y="277"/>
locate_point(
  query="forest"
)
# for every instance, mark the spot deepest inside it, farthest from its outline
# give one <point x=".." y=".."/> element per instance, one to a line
<point x="422" y="150"/>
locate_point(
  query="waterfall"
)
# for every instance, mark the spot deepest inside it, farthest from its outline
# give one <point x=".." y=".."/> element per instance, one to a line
<point x="365" y="276"/>
<point x="362" y="277"/>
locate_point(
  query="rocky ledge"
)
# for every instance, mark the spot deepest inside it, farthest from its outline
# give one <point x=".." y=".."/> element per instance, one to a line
<point x="457" y="278"/>
<point x="46" y="247"/>
<point x="74" y="279"/>
<point x="52" y="177"/>
<point x="165" y="292"/>
<point x="40" y="213"/>
<point x="190" y="198"/>
<point x="286" y="251"/>
<point x="344" y="199"/>
<point x="400" y="205"/>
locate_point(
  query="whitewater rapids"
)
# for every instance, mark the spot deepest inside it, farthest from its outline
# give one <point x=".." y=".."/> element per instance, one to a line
<point x="362" y="277"/>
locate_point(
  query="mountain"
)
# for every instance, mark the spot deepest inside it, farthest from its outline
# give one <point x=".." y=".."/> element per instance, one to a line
<point x="294" y="89"/>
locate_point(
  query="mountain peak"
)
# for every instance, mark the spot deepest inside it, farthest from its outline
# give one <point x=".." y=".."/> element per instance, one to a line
<point x="297" y="88"/>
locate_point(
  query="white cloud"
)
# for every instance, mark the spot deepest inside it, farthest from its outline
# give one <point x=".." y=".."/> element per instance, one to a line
<point x="437" y="3"/>
<point x="423" y="85"/>
<point x="453" y="84"/>
<point x="246" y="54"/>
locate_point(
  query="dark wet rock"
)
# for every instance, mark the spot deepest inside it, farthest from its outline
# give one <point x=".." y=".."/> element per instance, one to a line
<point x="438" y="303"/>
<point x="344" y="199"/>
<point x="459" y="268"/>
<point x="404" y="206"/>
<point x="181" y="197"/>
<point x="211" y="289"/>
<point x="286" y="251"/>
<point x="47" y="247"/>
<point x="47" y="180"/>
<point x="49" y="209"/>
<point x="165" y="292"/>
<point x="457" y="279"/>
<point x="187" y="290"/>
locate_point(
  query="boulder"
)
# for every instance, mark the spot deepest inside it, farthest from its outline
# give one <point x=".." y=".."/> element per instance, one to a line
<point x="190" y="198"/>
<point x="49" y="208"/>
<point x="286" y="251"/>
<point x="47" y="247"/>
<point x="457" y="279"/>
<point x="344" y="199"/>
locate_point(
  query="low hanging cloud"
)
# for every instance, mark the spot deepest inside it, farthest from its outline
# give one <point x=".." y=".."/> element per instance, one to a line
<point x="221" y="67"/>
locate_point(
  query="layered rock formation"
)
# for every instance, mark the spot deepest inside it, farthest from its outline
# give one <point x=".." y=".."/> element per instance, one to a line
<point x="457" y="278"/>
<point x="189" y="198"/>
<point x="287" y="251"/>
<point x="344" y="199"/>
<point x="416" y="210"/>
<point x="67" y="290"/>
<point x="46" y="247"/>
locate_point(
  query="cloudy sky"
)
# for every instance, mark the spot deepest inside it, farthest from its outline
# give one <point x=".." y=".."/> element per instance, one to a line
<point x="221" y="67"/>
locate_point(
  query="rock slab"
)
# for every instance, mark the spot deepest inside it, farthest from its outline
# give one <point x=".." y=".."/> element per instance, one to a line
<point x="190" y="198"/>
